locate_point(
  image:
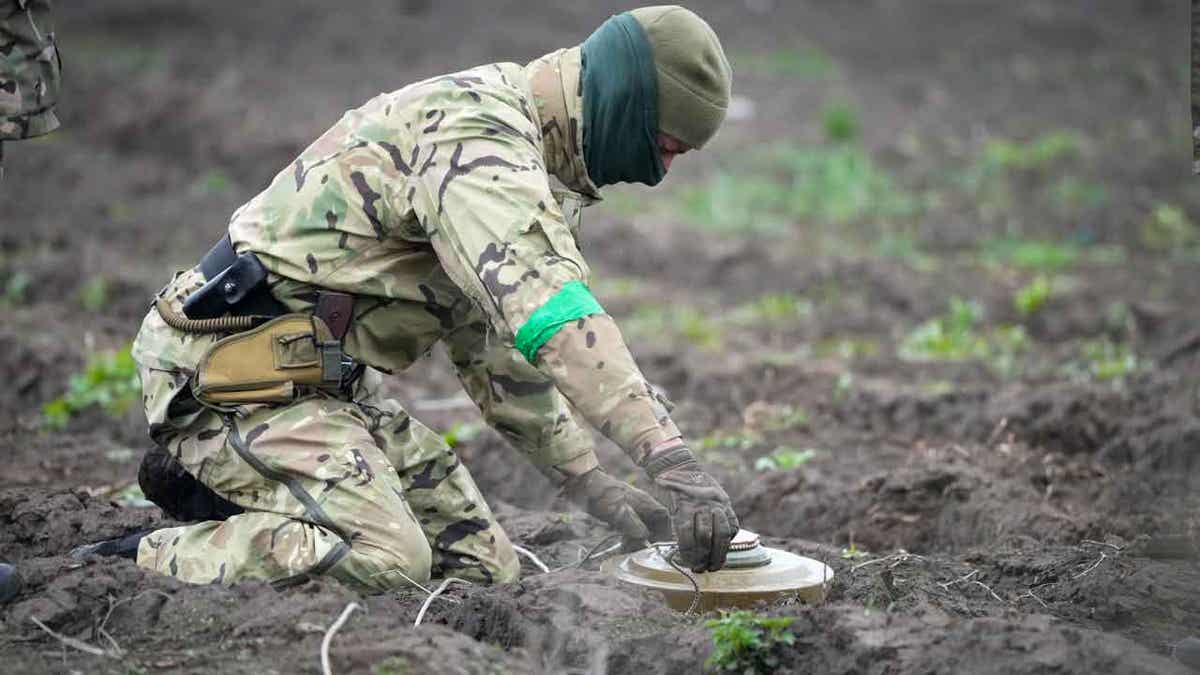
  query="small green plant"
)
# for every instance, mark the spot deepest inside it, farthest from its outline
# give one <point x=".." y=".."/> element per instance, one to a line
<point x="784" y="458"/>
<point x="16" y="289"/>
<point x="853" y="552"/>
<point x="846" y="347"/>
<point x="950" y="337"/>
<point x="747" y="643"/>
<point x="799" y="63"/>
<point x="725" y="440"/>
<point x="958" y="335"/>
<point x="840" y="122"/>
<point x="843" y="386"/>
<point x="1032" y="297"/>
<point x="461" y="432"/>
<point x="831" y="185"/>
<point x="1071" y="196"/>
<point x="213" y="182"/>
<point x="109" y="380"/>
<point x="1026" y="254"/>
<point x="686" y="322"/>
<point x="774" y="308"/>
<point x="94" y="295"/>
<point x="1168" y="228"/>
<point x="1108" y="360"/>
<point x="1050" y="147"/>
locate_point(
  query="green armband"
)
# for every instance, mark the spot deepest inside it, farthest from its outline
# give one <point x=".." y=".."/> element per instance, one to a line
<point x="573" y="301"/>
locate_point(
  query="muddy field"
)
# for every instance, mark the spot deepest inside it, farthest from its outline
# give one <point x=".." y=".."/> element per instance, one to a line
<point x="927" y="308"/>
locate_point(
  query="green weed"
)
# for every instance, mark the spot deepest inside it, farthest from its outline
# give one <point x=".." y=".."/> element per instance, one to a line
<point x="1004" y="155"/>
<point x="213" y="182"/>
<point x="94" y="295"/>
<point x="461" y="432"/>
<point x="1032" y="297"/>
<point x="957" y="335"/>
<point x="109" y="380"/>
<point x="835" y="185"/>
<point x="16" y="289"/>
<point x="840" y="122"/>
<point x="780" y="417"/>
<point x="784" y="458"/>
<point x="724" y="440"/>
<point x="800" y="63"/>
<point x="686" y="322"/>
<point x="1028" y="254"/>
<point x="1168" y="228"/>
<point x="1107" y="360"/>
<point x="774" y="308"/>
<point x="747" y="643"/>
<point x="853" y="552"/>
<point x="847" y="348"/>
<point x="843" y="386"/>
<point x="1071" y="196"/>
<point x="906" y="248"/>
<point x="1006" y="170"/>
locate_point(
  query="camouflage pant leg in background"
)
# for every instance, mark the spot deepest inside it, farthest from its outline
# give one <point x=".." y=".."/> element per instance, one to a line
<point x="467" y="541"/>
<point x="320" y="498"/>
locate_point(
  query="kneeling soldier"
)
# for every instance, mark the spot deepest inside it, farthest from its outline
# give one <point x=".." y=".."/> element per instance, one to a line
<point x="444" y="211"/>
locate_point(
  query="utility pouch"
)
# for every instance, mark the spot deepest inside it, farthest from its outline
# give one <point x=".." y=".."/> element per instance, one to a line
<point x="266" y="364"/>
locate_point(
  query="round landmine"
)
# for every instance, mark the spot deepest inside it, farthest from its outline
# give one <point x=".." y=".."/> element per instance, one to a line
<point x="752" y="572"/>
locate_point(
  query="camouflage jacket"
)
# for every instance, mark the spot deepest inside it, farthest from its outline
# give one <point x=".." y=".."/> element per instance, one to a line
<point x="29" y="70"/>
<point x="450" y="209"/>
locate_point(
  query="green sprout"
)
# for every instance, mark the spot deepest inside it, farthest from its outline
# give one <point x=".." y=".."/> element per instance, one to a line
<point x="784" y="458"/>
<point x="746" y="643"/>
<point x="853" y="552"/>
<point x="109" y="380"/>
<point x="461" y="432"/>
<point x="840" y="122"/>
<point x="1031" y="298"/>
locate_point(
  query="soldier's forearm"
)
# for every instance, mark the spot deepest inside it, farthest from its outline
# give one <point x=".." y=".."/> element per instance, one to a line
<point x="593" y="368"/>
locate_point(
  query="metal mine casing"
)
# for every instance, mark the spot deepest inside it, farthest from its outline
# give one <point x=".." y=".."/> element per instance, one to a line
<point x="752" y="572"/>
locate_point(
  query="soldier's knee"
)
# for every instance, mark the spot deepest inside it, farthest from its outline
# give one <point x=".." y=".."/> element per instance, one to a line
<point x="412" y="557"/>
<point x="393" y="566"/>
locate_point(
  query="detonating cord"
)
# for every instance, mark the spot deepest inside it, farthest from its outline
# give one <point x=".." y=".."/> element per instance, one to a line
<point x="224" y="324"/>
<point x="670" y="558"/>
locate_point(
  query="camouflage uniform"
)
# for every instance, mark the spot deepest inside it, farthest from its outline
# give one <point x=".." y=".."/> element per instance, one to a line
<point x="449" y="209"/>
<point x="29" y="72"/>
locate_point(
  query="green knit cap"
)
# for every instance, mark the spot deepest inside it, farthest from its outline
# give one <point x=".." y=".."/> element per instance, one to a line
<point x="694" y="77"/>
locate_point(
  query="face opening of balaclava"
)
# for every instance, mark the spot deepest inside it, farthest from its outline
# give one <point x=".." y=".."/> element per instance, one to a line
<point x="620" y="105"/>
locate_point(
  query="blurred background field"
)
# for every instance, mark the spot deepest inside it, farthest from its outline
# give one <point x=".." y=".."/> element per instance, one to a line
<point x="932" y="289"/>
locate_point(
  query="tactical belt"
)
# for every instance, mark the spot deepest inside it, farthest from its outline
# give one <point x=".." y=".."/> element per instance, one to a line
<point x="272" y="350"/>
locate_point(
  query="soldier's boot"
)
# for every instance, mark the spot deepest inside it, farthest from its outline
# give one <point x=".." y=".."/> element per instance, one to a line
<point x="120" y="547"/>
<point x="10" y="583"/>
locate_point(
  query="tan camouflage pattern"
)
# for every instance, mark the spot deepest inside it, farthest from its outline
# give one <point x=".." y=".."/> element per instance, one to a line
<point x="449" y="209"/>
<point x="356" y="489"/>
<point x="30" y="76"/>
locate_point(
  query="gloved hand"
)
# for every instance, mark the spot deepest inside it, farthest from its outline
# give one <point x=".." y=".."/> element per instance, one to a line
<point x="636" y="515"/>
<point x="701" y="516"/>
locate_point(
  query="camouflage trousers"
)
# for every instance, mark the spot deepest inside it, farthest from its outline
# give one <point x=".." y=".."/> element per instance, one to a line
<point x="356" y="489"/>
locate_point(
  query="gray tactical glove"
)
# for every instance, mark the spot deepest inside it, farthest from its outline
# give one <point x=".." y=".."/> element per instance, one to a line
<point x="636" y="515"/>
<point x="701" y="516"/>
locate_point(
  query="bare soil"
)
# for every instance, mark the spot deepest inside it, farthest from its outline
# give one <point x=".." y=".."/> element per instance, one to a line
<point x="1037" y="522"/>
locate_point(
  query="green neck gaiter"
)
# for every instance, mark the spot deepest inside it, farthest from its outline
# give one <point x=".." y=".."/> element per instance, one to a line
<point x="620" y="105"/>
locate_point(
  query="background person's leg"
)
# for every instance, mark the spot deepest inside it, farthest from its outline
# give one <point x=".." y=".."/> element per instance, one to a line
<point x="467" y="541"/>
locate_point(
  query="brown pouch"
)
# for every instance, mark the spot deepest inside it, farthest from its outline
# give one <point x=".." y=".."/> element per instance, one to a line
<point x="267" y="363"/>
